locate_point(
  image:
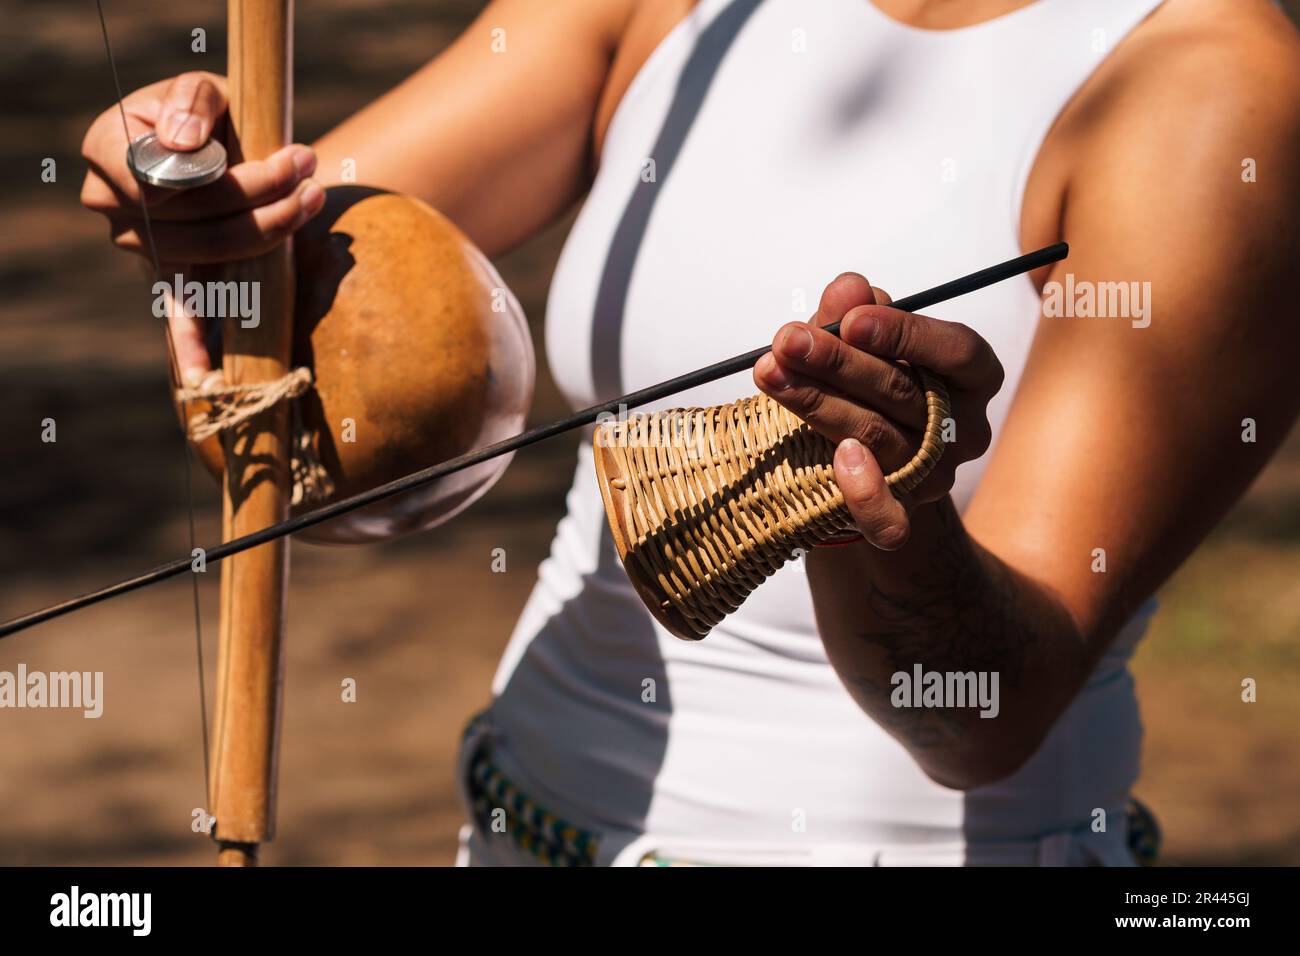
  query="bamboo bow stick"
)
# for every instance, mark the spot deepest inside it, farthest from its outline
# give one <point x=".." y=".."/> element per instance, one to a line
<point x="257" y="483"/>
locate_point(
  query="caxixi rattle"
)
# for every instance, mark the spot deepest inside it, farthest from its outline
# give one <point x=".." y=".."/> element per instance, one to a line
<point x="704" y="504"/>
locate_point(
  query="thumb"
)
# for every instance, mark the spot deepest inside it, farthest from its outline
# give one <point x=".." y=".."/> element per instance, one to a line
<point x="880" y="516"/>
<point x="191" y="106"/>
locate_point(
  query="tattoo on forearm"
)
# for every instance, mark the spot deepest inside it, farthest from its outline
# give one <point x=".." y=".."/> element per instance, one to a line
<point x="960" y="612"/>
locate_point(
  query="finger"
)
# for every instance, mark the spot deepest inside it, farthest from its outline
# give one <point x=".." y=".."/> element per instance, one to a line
<point x="886" y="386"/>
<point x="243" y="187"/>
<point x="834" y="415"/>
<point x="191" y="106"/>
<point x="844" y="292"/>
<point x="104" y="149"/>
<point x="240" y="236"/>
<point x="187" y="332"/>
<point x="98" y="196"/>
<point x="949" y="349"/>
<point x="103" y="196"/>
<point x="880" y="516"/>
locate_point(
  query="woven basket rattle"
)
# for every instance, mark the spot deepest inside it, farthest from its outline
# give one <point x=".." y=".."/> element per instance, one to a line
<point x="706" y="503"/>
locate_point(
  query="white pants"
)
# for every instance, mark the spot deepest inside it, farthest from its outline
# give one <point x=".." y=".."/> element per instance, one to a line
<point x="1057" y="849"/>
<point x="1077" y="847"/>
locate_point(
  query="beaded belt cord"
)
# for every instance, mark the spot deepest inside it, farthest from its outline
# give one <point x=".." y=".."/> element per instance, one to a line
<point x="531" y="827"/>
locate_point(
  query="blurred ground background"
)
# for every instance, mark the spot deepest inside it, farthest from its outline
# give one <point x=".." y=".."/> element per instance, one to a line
<point x="419" y="623"/>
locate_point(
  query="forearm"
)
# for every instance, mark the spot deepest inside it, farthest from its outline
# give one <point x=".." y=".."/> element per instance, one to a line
<point x="491" y="132"/>
<point x="944" y="604"/>
<point x="500" y="188"/>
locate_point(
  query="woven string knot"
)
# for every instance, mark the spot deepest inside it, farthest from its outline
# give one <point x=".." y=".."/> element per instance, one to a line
<point x="230" y="406"/>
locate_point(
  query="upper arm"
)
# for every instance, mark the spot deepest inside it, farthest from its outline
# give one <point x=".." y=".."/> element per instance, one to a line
<point x="496" y="130"/>
<point x="1130" y="439"/>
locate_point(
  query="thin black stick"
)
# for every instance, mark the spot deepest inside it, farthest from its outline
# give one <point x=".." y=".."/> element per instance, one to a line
<point x="912" y="303"/>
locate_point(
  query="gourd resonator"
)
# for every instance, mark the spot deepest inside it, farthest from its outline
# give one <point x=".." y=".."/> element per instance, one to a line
<point x="705" y="504"/>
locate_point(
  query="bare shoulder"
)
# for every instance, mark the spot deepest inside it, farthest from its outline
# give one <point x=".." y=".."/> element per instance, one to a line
<point x="1198" y="69"/>
<point x="1179" y="163"/>
<point x="1231" y="52"/>
<point x="1192" y="122"/>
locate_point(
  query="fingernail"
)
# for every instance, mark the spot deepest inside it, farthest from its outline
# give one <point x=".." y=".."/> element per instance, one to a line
<point x="192" y="377"/>
<point x="769" y="369"/>
<point x="859" y="330"/>
<point x="187" y="131"/>
<point x="174" y="124"/>
<point x="797" y="343"/>
<point x="312" y="198"/>
<point x="304" y="161"/>
<point x="853" y="455"/>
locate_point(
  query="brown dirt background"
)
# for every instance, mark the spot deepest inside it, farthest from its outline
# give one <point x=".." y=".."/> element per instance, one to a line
<point x="419" y="623"/>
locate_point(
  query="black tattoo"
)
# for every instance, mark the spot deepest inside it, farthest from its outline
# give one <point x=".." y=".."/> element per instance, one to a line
<point x="961" y="612"/>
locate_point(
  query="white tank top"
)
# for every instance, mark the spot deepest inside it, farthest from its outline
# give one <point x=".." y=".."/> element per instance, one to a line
<point x="765" y="147"/>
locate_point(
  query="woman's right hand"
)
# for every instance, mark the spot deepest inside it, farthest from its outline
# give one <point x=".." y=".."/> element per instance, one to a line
<point x="249" y="210"/>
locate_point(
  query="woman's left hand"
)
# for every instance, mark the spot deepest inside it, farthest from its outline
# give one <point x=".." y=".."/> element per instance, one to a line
<point x="854" y="391"/>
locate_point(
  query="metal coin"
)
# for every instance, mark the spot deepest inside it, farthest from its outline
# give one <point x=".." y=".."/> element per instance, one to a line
<point x="153" y="163"/>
